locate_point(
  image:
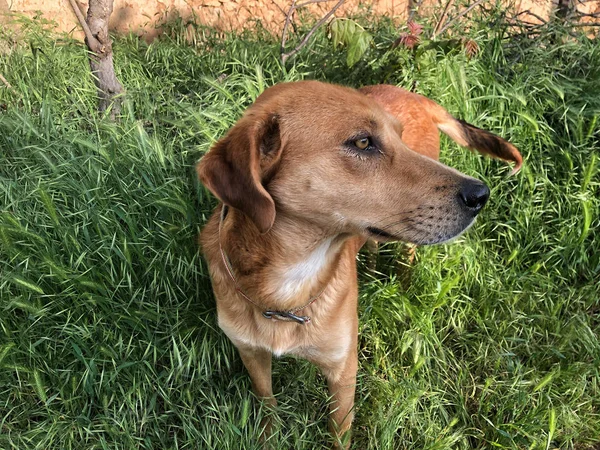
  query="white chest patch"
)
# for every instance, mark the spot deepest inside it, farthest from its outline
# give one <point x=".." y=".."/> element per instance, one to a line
<point x="295" y="277"/>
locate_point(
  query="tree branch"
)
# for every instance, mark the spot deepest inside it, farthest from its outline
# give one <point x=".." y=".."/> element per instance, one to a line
<point x="286" y="56"/>
<point x="442" y="17"/>
<point x="527" y="11"/>
<point x="6" y="83"/>
<point x="94" y="44"/>
<point x="288" y="19"/>
<point x="591" y="24"/>
<point x="310" y="2"/>
<point x="579" y="14"/>
<point x="413" y="6"/>
<point x="459" y="15"/>
<point x="282" y="11"/>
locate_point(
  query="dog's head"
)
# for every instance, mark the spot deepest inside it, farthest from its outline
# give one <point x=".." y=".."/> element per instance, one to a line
<point x="330" y="156"/>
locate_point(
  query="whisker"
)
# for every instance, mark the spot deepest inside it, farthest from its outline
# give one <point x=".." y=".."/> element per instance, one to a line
<point x="396" y="231"/>
<point x="379" y="223"/>
<point x="397" y="214"/>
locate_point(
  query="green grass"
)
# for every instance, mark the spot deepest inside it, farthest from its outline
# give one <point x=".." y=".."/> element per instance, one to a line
<point x="108" y="335"/>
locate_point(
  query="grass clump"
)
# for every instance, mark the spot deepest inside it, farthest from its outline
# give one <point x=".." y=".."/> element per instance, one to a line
<point x="108" y="337"/>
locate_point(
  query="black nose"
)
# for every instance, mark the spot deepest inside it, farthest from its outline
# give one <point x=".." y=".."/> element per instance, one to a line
<point x="474" y="195"/>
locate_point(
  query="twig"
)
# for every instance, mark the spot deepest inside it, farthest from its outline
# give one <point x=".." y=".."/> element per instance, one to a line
<point x="591" y="24"/>
<point x="579" y="14"/>
<point x="6" y="83"/>
<point x="93" y="43"/>
<point x="459" y="15"/>
<point x="284" y="14"/>
<point x="525" y="24"/>
<point x="527" y="11"/>
<point x="310" y="2"/>
<point x="285" y="56"/>
<point x="288" y="19"/>
<point x="413" y="6"/>
<point x="442" y="17"/>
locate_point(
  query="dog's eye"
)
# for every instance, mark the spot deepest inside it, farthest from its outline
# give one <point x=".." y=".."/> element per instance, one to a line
<point x="363" y="143"/>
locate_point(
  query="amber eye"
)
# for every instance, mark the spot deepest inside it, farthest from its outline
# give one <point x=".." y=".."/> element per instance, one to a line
<point x="363" y="143"/>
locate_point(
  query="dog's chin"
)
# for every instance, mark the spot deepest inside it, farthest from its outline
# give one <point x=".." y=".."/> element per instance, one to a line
<point x="419" y="237"/>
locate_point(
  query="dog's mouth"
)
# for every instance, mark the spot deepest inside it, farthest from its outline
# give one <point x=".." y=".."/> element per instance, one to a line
<point x="378" y="233"/>
<point x="423" y="235"/>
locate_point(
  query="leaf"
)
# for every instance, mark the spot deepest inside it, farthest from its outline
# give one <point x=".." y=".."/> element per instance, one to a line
<point x="38" y="385"/>
<point x="245" y="413"/>
<point x="341" y="30"/>
<point x="409" y="41"/>
<point x="531" y="120"/>
<point x="4" y="350"/>
<point x="471" y="48"/>
<point x="27" y="284"/>
<point x="418" y="364"/>
<point x="547" y="379"/>
<point x="346" y="32"/>
<point x="49" y="203"/>
<point x="591" y="128"/>
<point x="415" y="28"/>
<point x="447" y="286"/>
<point x="358" y="46"/>
<point x="587" y="221"/>
<point x="589" y="172"/>
<point x="551" y="427"/>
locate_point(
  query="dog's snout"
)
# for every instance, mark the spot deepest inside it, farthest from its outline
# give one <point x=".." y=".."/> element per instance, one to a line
<point x="474" y="195"/>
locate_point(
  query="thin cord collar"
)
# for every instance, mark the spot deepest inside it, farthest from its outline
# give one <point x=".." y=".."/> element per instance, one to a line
<point x="288" y="316"/>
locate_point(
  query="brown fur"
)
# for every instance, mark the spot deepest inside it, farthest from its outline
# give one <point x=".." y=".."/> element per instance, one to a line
<point x="304" y="199"/>
<point x="421" y="118"/>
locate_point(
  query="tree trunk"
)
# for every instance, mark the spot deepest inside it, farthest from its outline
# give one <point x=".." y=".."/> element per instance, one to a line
<point x="101" y="57"/>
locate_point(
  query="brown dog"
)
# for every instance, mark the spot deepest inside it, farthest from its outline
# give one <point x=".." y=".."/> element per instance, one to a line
<point x="306" y="176"/>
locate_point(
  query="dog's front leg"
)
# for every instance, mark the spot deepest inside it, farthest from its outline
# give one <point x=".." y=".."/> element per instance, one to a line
<point x="258" y="364"/>
<point x="341" y="380"/>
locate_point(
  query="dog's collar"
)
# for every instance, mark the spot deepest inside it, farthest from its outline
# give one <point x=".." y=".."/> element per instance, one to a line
<point x="288" y="316"/>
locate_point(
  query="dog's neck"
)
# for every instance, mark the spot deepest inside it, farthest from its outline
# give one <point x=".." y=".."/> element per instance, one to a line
<point x="285" y="267"/>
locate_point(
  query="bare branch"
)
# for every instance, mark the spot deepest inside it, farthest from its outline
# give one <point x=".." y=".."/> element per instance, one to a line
<point x="579" y="14"/>
<point x="310" y="2"/>
<point x="459" y="15"/>
<point x="94" y="44"/>
<point x="591" y="24"/>
<point x="284" y="14"/>
<point x="528" y="12"/>
<point x="288" y="19"/>
<point x="286" y="56"/>
<point x="442" y="17"/>
<point x="6" y="83"/>
<point x="413" y="7"/>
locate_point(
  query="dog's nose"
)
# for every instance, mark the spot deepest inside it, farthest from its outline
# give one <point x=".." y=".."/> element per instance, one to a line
<point x="474" y="195"/>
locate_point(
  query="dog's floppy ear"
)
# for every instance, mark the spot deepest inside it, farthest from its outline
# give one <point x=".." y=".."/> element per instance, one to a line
<point x="234" y="168"/>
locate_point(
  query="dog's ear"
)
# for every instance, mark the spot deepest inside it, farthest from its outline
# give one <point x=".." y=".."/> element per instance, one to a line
<point x="236" y="166"/>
